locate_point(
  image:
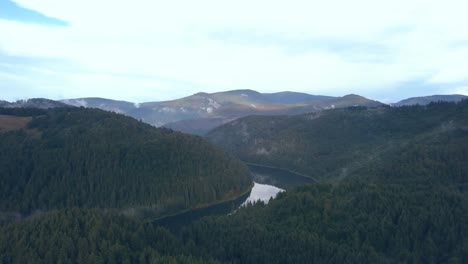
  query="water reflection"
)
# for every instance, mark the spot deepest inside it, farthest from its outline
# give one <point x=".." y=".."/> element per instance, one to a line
<point x="262" y="192"/>
<point x="277" y="177"/>
<point x="268" y="183"/>
<point x="176" y="222"/>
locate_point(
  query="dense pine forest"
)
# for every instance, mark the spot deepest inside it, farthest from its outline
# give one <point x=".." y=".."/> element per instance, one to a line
<point x="336" y="142"/>
<point x="89" y="236"/>
<point x="393" y="188"/>
<point x="344" y="223"/>
<point x="406" y="201"/>
<point x="89" y="158"/>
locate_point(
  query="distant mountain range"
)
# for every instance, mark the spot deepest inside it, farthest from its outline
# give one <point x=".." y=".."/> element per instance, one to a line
<point x="425" y="100"/>
<point x="84" y="185"/>
<point x="202" y="112"/>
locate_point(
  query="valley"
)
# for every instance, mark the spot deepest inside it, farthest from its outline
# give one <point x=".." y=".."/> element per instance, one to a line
<point x="268" y="183"/>
<point x="90" y="158"/>
<point x="357" y="184"/>
<point x="233" y="132"/>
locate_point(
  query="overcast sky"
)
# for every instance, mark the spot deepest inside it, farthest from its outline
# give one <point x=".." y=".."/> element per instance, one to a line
<point x="146" y="50"/>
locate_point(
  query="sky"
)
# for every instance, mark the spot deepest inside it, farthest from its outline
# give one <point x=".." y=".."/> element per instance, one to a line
<point x="151" y="50"/>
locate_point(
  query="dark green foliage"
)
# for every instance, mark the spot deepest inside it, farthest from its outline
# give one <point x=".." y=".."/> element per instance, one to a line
<point x="346" y="223"/>
<point x="337" y="142"/>
<point x="424" y="100"/>
<point x="398" y="195"/>
<point x="89" y="236"/>
<point x="396" y="192"/>
<point x="91" y="158"/>
<point x="22" y="111"/>
<point x="437" y="158"/>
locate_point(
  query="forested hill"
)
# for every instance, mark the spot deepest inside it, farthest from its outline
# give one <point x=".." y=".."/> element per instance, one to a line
<point x="90" y="236"/>
<point x="404" y="198"/>
<point x="335" y="143"/>
<point x="424" y="100"/>
<point x="89" y="158"/>
<point x="398" y="194"/>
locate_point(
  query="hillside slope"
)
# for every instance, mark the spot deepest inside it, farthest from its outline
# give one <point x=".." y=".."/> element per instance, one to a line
<point x="89" y="236"/>
<point x="201" y="112"/>
<point x="424" y="100"/>
<point x="40" y="103"/>
<point x="403" y="197"/>
<point x="401" y="201"/>
<point x="89" y="158"/>
<point x="333" y="143"/>
<point x="232" y="111"/>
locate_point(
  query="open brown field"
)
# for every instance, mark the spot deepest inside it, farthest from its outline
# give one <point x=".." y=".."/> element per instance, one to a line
<point x="11" y="123"/>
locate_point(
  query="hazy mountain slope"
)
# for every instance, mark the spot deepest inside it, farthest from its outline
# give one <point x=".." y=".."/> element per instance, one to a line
<point x="210" y="109"/>
<point x="197" y="126"/>
<point x="40" y="103"/>
<point x="248" y="97"/>
<point x="337" y="102"/>
<point x="294" y="97"/>
<point x="74" y="157"/>
<point x="230" y="104"/>
<point x="121" y="107"/>
<point x="335" y="142"/>
<point x="231" y="112"/>
<point x="424" y="100"/>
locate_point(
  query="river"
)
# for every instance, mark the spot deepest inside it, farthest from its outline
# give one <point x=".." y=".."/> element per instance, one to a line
<point x="268" y="182"/>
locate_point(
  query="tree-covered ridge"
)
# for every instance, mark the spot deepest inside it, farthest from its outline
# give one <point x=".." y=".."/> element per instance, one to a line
<point x="408" y="204"/>
<point x="90" y="236"/>
<point x="404" y="201"/>
<point x="352" y="222"/>
<point x="424" y="100"/>
<point x="439" y="157"/>
<point x="335" y="142"/>
<point x="22" y="111"/>
<point x="36" y="103"/>
<point x="91" y="158"/>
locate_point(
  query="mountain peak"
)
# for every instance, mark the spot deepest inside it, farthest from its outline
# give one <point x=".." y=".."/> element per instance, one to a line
<point x="353" y="96"/>
<point x="242" y="92"/>
<point x="201" y="94"/>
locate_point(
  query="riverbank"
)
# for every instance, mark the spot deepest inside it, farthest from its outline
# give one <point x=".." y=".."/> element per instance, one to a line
<point x="281" y="169"/>
<point x="203" y="206"/>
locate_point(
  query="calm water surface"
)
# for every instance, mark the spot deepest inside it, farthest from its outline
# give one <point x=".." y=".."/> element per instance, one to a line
<point x="268" y="183"/>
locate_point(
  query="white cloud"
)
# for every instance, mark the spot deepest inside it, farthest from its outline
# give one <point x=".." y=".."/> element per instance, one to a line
<point x="460" y="90"/>
<point x="141" y="49"/>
